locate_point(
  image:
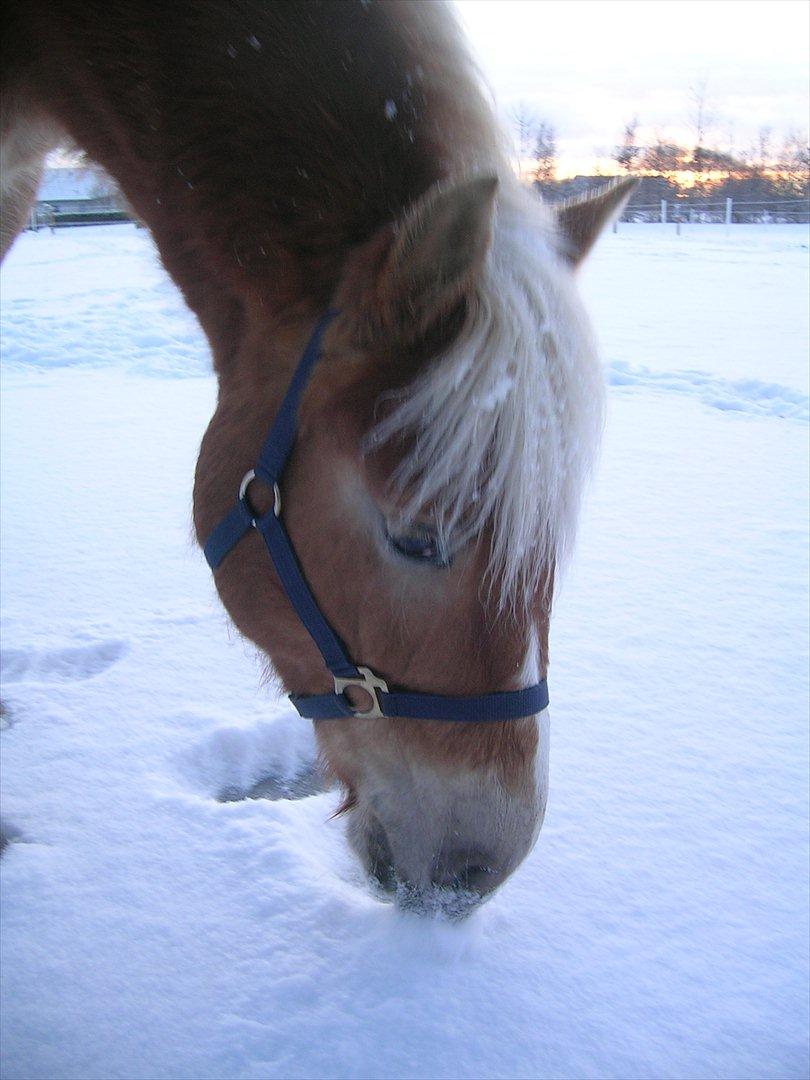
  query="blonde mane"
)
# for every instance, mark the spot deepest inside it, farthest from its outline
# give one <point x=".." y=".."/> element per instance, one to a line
<point x="505" y="425"/>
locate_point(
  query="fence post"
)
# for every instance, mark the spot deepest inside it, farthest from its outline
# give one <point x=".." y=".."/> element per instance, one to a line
<point x="663" y="211"/>
<point x="729" y="210"/>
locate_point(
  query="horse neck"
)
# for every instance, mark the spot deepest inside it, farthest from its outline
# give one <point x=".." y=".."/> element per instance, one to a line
<point x="259" y="143"/>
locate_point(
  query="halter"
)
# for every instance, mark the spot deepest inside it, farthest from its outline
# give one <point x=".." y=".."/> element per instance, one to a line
<point x="508" y="705"/>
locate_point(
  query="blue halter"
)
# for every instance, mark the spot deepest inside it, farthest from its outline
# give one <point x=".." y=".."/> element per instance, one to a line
<point x="509" y="705"/>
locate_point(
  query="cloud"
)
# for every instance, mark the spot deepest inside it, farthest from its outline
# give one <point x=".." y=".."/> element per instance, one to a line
<point x="591" y="65"/>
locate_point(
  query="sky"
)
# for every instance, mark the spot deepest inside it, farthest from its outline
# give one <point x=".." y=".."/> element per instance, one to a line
<point x="588" y="66"/>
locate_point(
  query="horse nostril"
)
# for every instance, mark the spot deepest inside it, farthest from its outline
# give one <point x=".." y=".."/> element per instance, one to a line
<point x="467" y="871"/>
<point x="478" y="878"/>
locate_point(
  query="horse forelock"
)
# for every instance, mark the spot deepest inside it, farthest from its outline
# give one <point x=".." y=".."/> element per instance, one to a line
<point x="503" y="427"/>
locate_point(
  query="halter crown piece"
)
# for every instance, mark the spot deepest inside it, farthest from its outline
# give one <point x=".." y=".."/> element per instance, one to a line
<point x="509" y="705"/>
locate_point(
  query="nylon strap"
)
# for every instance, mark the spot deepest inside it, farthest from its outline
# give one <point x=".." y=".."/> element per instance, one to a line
<point x="274" y="452"/>
<point x="298" y="593"/>
<point x="509" y="705"/>
<point x="278" y="444"/>
<point x="227" y="534"/>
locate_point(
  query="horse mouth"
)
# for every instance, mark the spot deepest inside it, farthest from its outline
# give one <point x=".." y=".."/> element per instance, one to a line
<point x="453" y="892"/>
<point x="436" y="901"/>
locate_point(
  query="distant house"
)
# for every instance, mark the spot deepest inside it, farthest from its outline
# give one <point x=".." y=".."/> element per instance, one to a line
<point x="76" y="196"/>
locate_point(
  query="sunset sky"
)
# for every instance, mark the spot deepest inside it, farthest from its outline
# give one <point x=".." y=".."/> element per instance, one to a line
<point x="588" y="66"/>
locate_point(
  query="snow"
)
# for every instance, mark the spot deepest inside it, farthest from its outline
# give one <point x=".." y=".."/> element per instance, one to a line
<point x="157" y="925"/>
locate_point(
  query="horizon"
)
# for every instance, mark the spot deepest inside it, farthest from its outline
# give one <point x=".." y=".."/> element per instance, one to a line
<point x="747" y="58"/>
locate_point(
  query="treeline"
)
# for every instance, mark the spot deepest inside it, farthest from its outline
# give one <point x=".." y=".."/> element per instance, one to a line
<point x="768" y="171"/>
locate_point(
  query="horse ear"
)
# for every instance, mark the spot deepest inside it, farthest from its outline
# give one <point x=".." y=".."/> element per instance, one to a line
<point x="581" y="220"/>
<point x="437" y="250"/>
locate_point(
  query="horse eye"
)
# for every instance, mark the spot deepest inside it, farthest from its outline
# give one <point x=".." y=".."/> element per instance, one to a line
<point x="420" y="545"/>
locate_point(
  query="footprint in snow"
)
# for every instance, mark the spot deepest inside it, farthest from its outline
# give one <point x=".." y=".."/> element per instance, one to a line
<point x="309" y="781"/>
<point x="66" y="664"/>
<point x="273" y="759"/>
<point x="9" y="834"/>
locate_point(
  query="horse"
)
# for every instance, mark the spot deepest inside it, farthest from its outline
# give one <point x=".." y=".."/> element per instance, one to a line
<point x="340" y="156"/>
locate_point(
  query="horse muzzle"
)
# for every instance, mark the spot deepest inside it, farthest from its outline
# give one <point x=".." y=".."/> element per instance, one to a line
<point x="439" y="843"/>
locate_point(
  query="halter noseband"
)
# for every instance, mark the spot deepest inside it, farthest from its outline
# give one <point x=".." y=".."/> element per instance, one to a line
<point x="508" y="705"/>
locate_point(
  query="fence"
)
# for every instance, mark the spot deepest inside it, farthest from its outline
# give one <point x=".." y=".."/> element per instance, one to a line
<point x="676" y="211"/>
<point x="41" y="218"/>
<point x="722" y="211"/>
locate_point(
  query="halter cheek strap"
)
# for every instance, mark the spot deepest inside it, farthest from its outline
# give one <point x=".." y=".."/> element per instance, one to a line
<point x="509" y="705"/>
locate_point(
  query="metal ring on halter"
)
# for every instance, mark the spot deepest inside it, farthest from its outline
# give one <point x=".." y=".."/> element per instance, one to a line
<point x="243" y="497"/>
<point x="371" y="684"/>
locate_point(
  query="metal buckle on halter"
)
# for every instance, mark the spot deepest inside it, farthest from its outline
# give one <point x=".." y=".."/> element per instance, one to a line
<point x="372" y="685"/>
<point x="246" y="479"/>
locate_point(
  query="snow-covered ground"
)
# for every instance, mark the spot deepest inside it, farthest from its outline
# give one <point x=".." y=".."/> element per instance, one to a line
<point x="660" y="927"/>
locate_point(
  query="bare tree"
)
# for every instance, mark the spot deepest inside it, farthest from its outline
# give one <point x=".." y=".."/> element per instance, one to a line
<point x="524" y="120"/>
<point x="545" y="153"/>
<point x="701" y="117"/>
<point x="629" y="151"/>
<point x="793" y="165"/>
<point x="763" y="151"/>
<point x="662" y="157"/>
<point x="729" y="134"/>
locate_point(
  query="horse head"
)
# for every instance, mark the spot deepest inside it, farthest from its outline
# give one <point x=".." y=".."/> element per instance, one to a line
<point x="431" y="495"/>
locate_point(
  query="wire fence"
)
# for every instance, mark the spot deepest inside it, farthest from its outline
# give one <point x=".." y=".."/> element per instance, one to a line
<point x="676" y="211"/>
<point x="46" y="217"/>
<point x="722" y="211"/>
